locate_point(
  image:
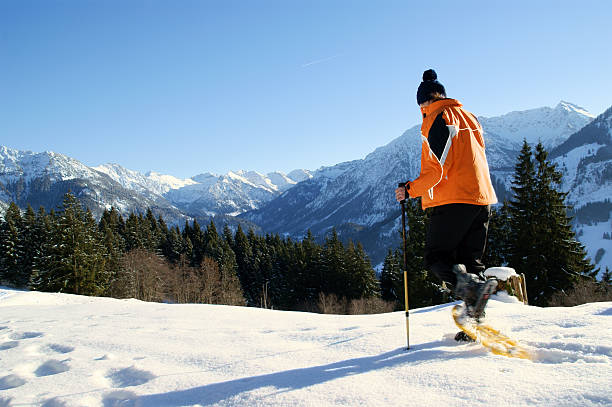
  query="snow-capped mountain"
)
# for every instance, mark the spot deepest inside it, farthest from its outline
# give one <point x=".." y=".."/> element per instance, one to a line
<point x="151" y="182"/>
<point x="551" y="126"/>
<point x="208" y="194"/>
<point x="43" y="178"/>
<point x="18" y="165"/>
<point x="357" y="197"/>
<point x="586" y="161"/>
<point x="233" y="193"/>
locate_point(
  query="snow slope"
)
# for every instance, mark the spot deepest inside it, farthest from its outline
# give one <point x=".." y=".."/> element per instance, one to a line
<point x="66" y="350"/>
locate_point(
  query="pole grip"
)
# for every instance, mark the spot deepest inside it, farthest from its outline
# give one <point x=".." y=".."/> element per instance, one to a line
<point x="402" y="185"/>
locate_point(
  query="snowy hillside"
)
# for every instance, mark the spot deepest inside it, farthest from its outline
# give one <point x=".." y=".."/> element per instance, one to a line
<point x="66" y="350"/>
<point x="585" y="159"/>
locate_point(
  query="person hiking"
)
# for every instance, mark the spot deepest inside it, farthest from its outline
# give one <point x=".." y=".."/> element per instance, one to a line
<point x="456" y="190"/>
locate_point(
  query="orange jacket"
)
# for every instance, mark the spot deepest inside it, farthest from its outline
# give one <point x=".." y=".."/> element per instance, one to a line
<point x="454" y="166"/>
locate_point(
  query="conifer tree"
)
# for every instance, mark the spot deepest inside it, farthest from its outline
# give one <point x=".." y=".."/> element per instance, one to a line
<point x="11" y="246"/>
<point x="31" y="242"/>
<point x="246" y="268"/>
<point x="151" y="232"/>
<point x="212" y="242"/>
<point x="362" y="274"/>
<point x="564" y="258"/>
<point x="111" y="229"/>
<point x="198" y="240"/>
<point x="305" y="275"/>
<point x="216" y="248"/>
<point x="97" y="277"/>
<point x="521" y="244"/>
<point x="285" y="270"/>
<point x="606" y="277"/>
<point x="227" y="235"/>
<point x="391" y="278"/>
<point x="77" y="256"/>
<point x="314" y="263"/>
<point x="132" y="235"/>
<point x="173" y="245"/>
<point x="334" y="267"/>
<point x="498" y="237"/>
<point x="542" y="243"/>
<point x="346" y="270"/>
<point x="45" y="227"/>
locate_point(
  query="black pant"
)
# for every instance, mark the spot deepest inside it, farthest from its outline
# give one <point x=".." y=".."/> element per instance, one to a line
<point x="456" y="234"/>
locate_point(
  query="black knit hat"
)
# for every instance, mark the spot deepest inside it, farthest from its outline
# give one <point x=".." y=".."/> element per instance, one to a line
<point x="429" y="86"/>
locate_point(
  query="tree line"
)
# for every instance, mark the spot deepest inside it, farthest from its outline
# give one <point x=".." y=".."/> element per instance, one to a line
<point x="141" y="257"/>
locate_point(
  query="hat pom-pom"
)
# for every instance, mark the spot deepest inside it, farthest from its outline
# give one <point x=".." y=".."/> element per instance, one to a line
<point x="430" y="75"/>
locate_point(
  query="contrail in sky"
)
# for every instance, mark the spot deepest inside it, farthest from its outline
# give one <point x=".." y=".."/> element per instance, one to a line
<point x="318" y="61"/>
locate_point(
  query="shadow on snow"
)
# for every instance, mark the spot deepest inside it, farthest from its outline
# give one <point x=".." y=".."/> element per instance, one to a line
<point x="296" y="379"/>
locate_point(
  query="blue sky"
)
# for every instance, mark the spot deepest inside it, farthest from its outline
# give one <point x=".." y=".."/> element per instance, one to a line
<point x="185" y="87"/>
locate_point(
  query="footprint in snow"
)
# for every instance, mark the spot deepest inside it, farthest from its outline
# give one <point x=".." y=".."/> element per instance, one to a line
<point x="129" y="376"/>
<point x="25" y="335"/>
<point x="120" y="398"/>
<point x="56" y="347"/>
<point x="52" y="367"/>
<point x="572" y="324"/>
<point x="11" y="381"/>
<point x="9" y="345"/>
<point x="54" y="402"/>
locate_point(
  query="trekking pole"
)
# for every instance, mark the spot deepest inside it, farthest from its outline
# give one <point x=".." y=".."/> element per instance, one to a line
<point x="403" y="203"/>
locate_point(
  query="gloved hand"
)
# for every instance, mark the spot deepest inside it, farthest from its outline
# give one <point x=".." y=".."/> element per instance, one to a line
<point x="401" y="193"/>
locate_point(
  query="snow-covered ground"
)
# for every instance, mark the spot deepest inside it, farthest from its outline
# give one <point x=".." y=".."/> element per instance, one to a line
<point x="66" y="350"/>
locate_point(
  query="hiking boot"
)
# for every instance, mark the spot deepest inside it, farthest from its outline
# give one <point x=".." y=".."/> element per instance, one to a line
<point x="467" y="286"/>
<point x="473" y="291"/>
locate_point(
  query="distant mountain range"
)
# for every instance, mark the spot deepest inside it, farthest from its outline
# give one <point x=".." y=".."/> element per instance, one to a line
<point x="356" y="197"/>
<point x="42" y="179"/>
